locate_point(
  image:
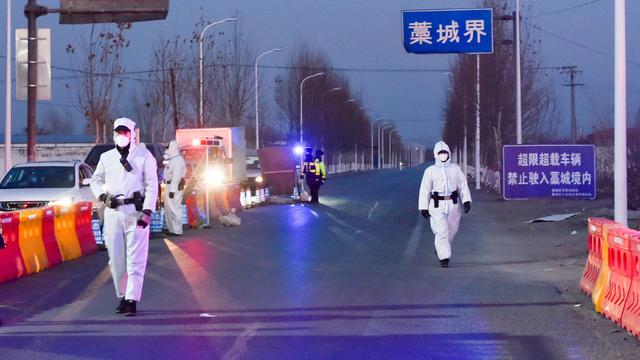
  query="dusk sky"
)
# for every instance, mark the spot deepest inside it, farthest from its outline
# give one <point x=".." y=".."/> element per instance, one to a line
<point x="363" y="39"/>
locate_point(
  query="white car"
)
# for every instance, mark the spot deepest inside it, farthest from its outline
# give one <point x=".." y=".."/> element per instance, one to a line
<point x="39" y="184"/>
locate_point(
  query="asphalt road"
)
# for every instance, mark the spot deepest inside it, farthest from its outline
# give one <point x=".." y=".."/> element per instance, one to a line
<point x="355" y="277"/>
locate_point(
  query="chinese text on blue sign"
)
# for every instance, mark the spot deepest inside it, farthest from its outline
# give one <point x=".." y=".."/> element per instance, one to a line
<point x="448" y="31"/>
<point x="556" y="171"/>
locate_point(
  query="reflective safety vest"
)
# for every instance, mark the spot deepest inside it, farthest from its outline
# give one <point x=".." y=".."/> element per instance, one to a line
<point x="309" y="167"/>
<point x="320" y="169"/>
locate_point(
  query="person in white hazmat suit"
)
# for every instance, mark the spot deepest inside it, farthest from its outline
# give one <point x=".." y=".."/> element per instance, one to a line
<point x="126" y="181"/>
<point x="174" y="173"/>
<point x="443" y="194"/>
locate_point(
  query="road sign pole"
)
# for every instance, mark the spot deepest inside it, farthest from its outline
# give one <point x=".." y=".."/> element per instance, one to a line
<point x="518" y="76"/>
<point x="31" y="10"/>
<point x="620" y="138"/>
<point x="477" y="122"/>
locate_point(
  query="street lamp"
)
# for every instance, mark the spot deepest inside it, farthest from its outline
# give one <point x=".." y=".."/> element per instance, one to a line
<point x="390" y="157"/>
<point x="382" y="142"/>
<point x="301" y="88"/>
<point x="379" y="143"/>
<point x="323" y="111"/>
<point x="257" y="107"/>
<point x="200" y="84"/>
<point x="372" y="126"/>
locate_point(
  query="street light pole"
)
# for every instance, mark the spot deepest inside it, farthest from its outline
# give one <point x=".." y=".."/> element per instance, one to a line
<point x="200" y="80"/>
<point x="301" y="88"/>
<point x="373" y="123"/>
<point x="7" y="116"/>
<point x="382" y="152"/>
<point x="257" y="106"/>
<point x="518" y="77"/>
<point x="379" y="143"/>
<point x="324" y="96"/>
<point x="477" y="122"/>
<point x="620" y="99"/>
<point x="390" y="149"/>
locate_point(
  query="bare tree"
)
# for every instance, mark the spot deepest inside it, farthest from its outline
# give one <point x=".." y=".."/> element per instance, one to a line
<point x="497" y="103"/>
<point x="99" y="59"/>
<point x="55" y="124"/>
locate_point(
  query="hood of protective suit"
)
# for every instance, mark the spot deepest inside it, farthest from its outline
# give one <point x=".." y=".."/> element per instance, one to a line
<point x="439" y="146"/>
<point x="129" y="124"/>
<point x="173" y="150"/>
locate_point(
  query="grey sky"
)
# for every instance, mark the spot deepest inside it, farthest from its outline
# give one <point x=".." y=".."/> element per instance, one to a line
<point x="366" y="34"/>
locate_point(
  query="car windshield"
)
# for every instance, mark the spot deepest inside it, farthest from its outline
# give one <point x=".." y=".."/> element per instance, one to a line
<point x="39" y="177"/>
<point x="94" y="155"/>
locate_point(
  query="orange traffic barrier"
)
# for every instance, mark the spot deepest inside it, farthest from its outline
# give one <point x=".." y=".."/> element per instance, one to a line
<point x="631" y="313"/>
<point x="620" y="277"/>
<point x="594" y="260"/>
<point x="11" y="261"/>
<point x="49" y="237"/>
<point x="603" y="278"/>
<point x="84" y="230"/>
<point x="31" y="244"/>
<point x="65" y="230"/>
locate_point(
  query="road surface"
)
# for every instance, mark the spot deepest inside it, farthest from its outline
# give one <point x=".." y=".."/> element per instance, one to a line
<point x="355" y="277"/>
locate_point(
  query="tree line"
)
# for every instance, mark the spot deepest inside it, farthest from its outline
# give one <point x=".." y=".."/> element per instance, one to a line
<point x="166" y="96"/>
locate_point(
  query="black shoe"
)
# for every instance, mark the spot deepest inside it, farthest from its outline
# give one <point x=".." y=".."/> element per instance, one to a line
<point x="444" y="263"/>
<point x="129" y="308"/>
<point x="120" y="308"/>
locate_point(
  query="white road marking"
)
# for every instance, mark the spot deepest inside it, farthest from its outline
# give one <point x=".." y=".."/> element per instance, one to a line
<point x="315" y="214"/>
<point x="373" y="208"/>
<point x="412" y="246"/>
<point x="239" y="347"/>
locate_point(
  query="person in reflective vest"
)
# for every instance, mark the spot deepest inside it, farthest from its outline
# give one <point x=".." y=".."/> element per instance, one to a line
<point x="444" y="194"/>
<point x="319" y="176"/>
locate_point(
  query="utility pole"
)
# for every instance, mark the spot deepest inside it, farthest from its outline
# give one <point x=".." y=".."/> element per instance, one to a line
<point x="572" y="71"/>
<point x="32" y="11"/>
<point x="174" y="101"/>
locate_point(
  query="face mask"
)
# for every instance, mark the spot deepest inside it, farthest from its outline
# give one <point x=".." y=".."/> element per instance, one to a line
<point x="443" y="157"/>
<point x="121" y="140"/>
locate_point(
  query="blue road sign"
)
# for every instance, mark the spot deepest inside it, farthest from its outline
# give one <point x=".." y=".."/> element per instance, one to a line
<point x="549" y="171"/>
<point x="467" y="31"/>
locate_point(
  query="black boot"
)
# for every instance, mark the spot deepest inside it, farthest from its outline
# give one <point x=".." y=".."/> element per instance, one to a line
<point x="120" y="308"/>
<point x="444" y="263"/>
<point x="129" y="308"/>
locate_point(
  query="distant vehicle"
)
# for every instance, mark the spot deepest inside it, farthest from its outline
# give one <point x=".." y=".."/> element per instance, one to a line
<point x="254" y="173"/>
<point x="39" y="184"/>
<point x="402" y="166"/>
<point x="157" y="150"/>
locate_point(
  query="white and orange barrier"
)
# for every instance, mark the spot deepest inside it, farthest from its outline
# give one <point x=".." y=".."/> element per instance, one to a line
<point x="37" y="239"/>
<point x="612" y="273"/>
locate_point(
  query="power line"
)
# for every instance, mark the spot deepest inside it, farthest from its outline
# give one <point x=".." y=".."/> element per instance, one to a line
<point x="579" y="44"/>
<point x="562" y="10"/>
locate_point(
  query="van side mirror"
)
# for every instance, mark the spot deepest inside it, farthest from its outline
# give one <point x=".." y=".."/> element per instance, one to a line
<point x="85" y="182"/>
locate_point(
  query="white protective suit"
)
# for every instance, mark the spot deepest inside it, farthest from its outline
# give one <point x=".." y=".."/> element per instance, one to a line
<point x="126" y="242"/>
<point x="174" y="171"/>
<point x="443" y="178"/>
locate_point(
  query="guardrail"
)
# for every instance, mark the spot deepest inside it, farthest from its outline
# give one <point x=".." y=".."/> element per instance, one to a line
<point x="611" y="274"/>
<point x="38" y="239"/>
